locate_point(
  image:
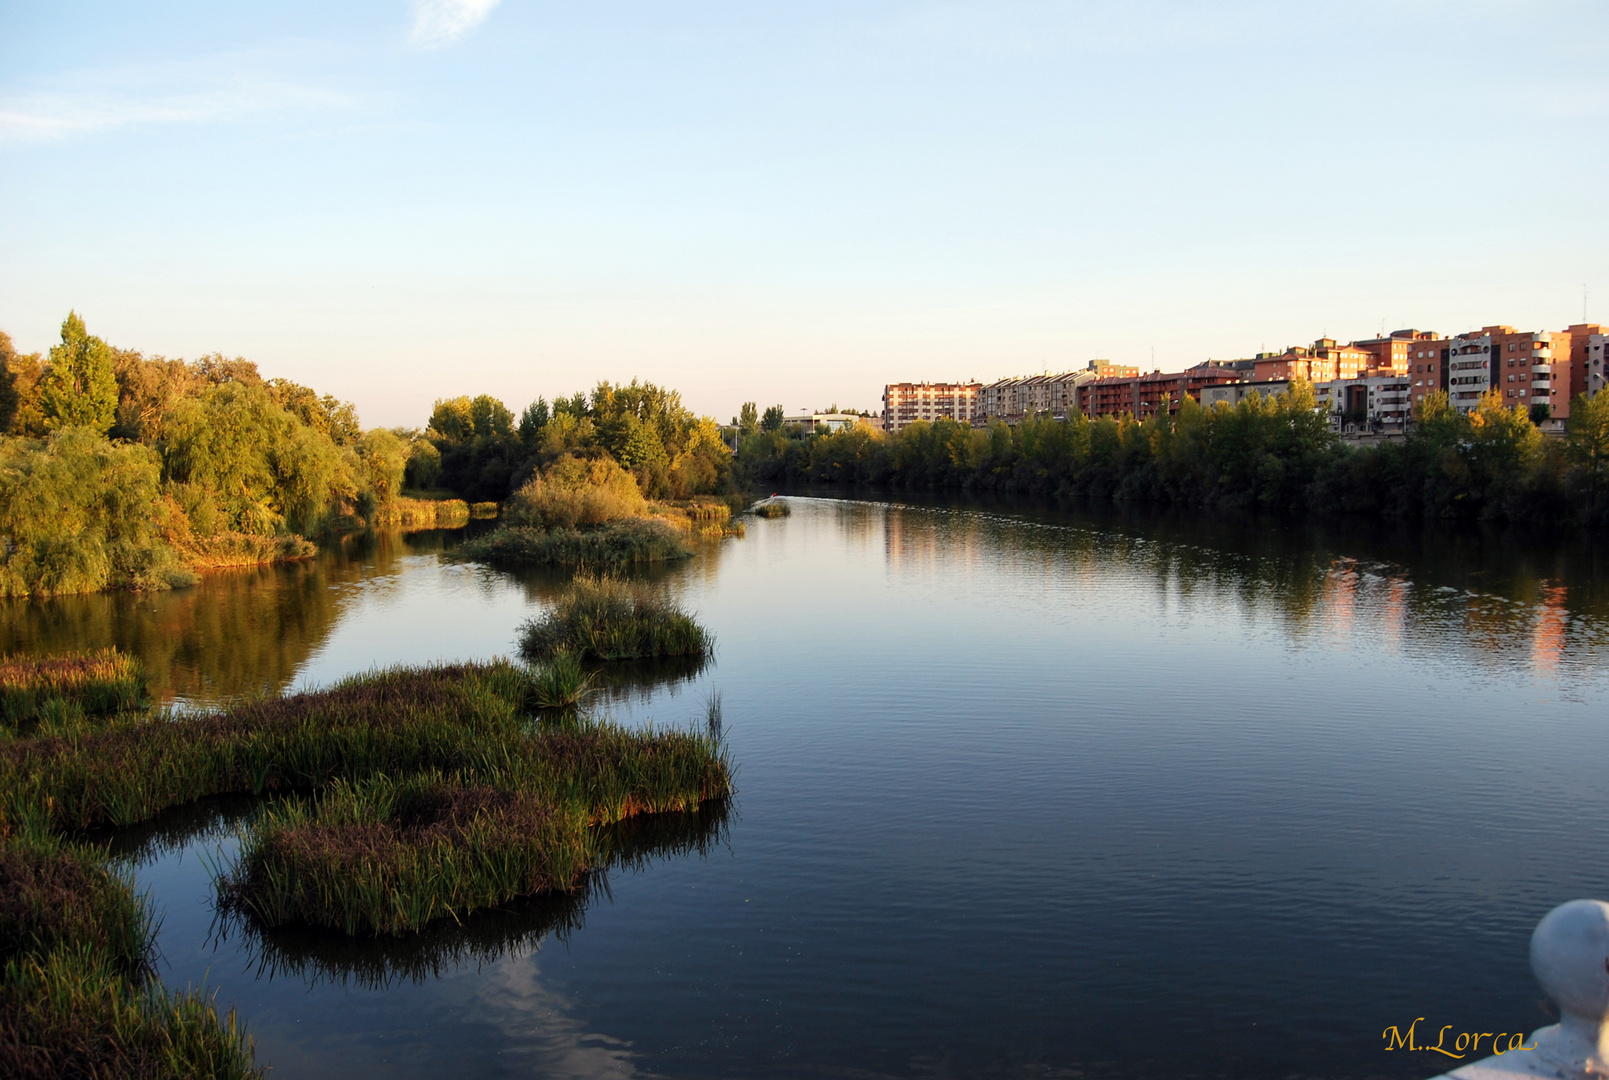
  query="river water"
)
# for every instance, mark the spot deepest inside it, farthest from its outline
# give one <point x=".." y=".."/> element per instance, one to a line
<point x="1023" y="793"/>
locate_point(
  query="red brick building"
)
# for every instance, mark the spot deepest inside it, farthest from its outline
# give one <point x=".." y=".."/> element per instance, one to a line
<point x="1142" y="395"/>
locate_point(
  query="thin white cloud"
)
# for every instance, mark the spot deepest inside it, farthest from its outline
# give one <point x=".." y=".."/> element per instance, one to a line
<point x="441" y="22"/>
<point x="51" y="117"/>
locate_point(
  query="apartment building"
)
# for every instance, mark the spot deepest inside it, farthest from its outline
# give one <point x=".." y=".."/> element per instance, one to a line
<point x="1595" y="350"/>
<point x="1144" y="395"/>
<point x="1324" y="361"/>
<point x="1532" y="367"/>
<point x="1426" y="366"/>
<point x="1469" y="367"/>
<point x="907" y="402"/>
<point x="1028" y="395"/>
<point x="1586" y="358"/>
<point x="1378" y="402"/>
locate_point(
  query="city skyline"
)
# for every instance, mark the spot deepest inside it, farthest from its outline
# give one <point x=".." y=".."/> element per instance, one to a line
<point x="395" y="203"/>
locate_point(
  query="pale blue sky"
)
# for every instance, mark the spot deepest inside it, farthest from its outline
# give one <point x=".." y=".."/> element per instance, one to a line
<point x="789" y="202"/>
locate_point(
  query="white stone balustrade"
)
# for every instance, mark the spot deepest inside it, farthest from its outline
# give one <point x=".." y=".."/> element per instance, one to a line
<point x="1570" y="956"/>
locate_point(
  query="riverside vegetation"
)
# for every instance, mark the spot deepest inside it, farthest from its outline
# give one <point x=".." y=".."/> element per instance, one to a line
<point x="1491" y="464"/>
<point x="122" y="471"/>
<point x="401" y="797"/>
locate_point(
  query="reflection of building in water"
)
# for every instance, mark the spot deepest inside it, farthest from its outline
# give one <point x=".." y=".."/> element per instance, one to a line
<point x="1341" y="596"/>
<point x="1547" y="639"/>
<point x="932" y="541"/>
<point x="1394" y="612"/>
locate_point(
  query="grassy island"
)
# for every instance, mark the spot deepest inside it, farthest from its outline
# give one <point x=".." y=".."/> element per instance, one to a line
<point x="606" y="619"/>
<point x="407" y="796"/>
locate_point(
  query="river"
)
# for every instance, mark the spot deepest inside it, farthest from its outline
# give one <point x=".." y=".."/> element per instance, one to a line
<point x="1023" y="792"/>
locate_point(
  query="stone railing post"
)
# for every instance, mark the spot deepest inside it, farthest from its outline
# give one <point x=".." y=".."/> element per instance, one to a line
<point x="1570" y="956"/>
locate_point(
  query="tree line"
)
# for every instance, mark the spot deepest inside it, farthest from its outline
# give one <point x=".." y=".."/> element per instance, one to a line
<point x="1280" y="452"/>
<point x="119" y="470"/>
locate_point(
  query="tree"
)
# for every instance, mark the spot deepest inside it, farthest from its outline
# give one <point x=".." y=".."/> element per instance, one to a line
<point x="532" y="421"/>
<point x="748" y="419"/>
<point x="8" y="383"/>
<point x="1540" y="412"/>
<point x="1586" y="435"/>
<point x="80" y="387"/>
<point x="772" y="420"/>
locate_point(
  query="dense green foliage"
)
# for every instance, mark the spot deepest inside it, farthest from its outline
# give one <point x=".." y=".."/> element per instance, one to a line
<point x="481" y="453"/>
<point x="156" y="468"/>
<point x="1491" y="463"/>
<point x="122" y="471"/>
<point x="607" y="619"/>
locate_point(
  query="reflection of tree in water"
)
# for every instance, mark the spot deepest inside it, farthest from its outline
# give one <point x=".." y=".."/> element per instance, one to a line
<point x="513" y="929"/>
<point x="1536" y="601"/>
<point x="243" y="631"/>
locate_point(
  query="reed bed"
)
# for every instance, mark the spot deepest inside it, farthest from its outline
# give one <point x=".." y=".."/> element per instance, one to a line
<point x="771" y="508"/>
<point x="607" y="619"/>
<point x="76" y="994"/>
<point x="422" y="513"/>
<point x="482" y="511"/>
<point x="62" y="693"/>
<point x="625" y="542"/>
<point x="407" y="796"/>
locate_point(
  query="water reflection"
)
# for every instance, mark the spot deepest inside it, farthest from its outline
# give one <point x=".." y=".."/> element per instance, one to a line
<point x="240" y="632"/>
<point x="1496" y="598"/>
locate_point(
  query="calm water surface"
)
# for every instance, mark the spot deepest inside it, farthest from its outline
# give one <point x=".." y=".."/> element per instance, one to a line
<point x="1021" y="794"/>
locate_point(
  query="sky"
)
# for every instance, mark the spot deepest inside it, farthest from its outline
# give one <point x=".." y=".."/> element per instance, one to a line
<point x="793" y="201"/>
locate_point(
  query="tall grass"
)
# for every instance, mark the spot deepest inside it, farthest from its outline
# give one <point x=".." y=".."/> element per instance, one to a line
<point x="422" y="513"/>
<point x="771" y="508"/>
<point x="561" y="683"/>
<point x="618" y="543"/>
<point x="57" y="694"/>
<point x="76" y="993"/>
<point x="607" y="619"/>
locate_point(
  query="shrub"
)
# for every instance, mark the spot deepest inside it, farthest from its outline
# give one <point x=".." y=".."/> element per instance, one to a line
<point x="605" y="619"/>
<point x="576" y="492"/>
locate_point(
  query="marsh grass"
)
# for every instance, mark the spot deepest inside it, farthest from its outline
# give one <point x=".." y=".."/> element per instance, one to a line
<point x="76" y="993"/>
<point x="627" y="542"/>
<point x="561" y="683"/>
<point x="482" y="510"/>
<point x="405" y="797"/>
<point x="771" y="508"/>
<point x="61" y="694"/>
<point x="518" y="927"/>
<point x="608" y="619"/>
<point x="409" y="513"/>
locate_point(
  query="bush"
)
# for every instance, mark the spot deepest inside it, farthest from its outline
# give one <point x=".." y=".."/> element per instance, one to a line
<point x="605" y="619"/>
<point x="576" y="492"/>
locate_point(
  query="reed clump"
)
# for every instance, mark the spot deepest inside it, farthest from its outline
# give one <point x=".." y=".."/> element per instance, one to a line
<point x="600" y="618"/>
<point x="626" y="542"/>
<point x="483" y="511"/>
<point x="561" y="683"/>
<point x="771" y="508"/>
<point x="58" y="694"/>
